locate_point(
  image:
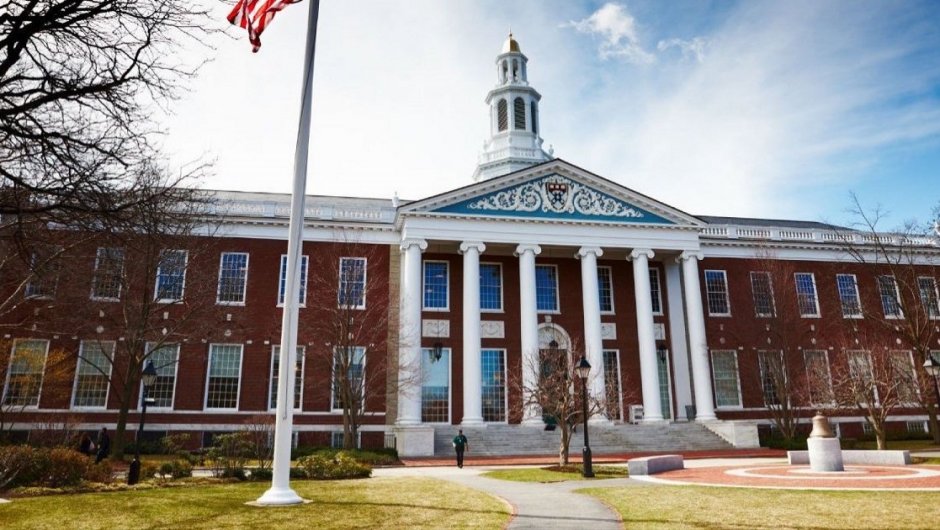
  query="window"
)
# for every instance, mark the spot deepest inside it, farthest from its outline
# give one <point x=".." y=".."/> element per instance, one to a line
<point x="716" y="290"/>
<point x="435" y="386"/>
<point x="806" y="298"/>
<point x="166" y="360"/>
<point x="436" y="292"/>
<point x="928" y="296"/>
<point x="605" y="290"/>
<point x="918" y="427"/>
<point x="612" y="384"/>
<point x="902" y="369"/>
<point x="92" y="374"/>
<point x="171" y="276"/>
<point x="355" y="360"/>
<point x="818" y="377"/>
<point x="276" y="373"/>
<point x="494" y="384"/>
<point x="518" y="111"/>
<point x="772" y="374"/>
<point x="890" y="298"/>
<point x="848" y="295"/>
<point x="725" y="378"/>
<point x="233" y="277"/>
<point x="662" y="367"/>
<point x="502" y="115"/>
<point x="44" y="274"/>
<point x="491" y="287"/>
<point x="763" y="293"/>
<point x="656" y="292"/>
<point x="282" y="283"/>
<point x="352" y="283"/>
<point x="860" y="371"/>
<point x="109" y="271"/>
<point x="546" y="288"/>
<point x="24" y="375"/>
<point x="225" y="366"/>
<point x="534" y="116"/>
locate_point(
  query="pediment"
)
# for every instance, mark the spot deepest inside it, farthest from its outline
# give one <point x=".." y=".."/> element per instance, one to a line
<point x="555" y="190"/>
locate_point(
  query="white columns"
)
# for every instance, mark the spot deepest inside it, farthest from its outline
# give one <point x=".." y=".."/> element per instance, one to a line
<point x="593" y="342"/>
<point x="472" y="369"/>
<point x="678" y="341"/>
<point x="529" y="327"/>
<point x="704" y="405"/>
<point x="409" y="349"/>
<point x="649" y="370"/>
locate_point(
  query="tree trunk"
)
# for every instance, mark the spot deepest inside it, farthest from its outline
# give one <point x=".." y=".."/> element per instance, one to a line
<point x="563" y="447"/>
<point x="934" y="424"/>
<point x="117" y="443"/>
<point x="881" y="438"/>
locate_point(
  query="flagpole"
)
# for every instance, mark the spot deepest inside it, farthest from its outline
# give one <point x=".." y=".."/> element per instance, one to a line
<point x="280" y="492"/>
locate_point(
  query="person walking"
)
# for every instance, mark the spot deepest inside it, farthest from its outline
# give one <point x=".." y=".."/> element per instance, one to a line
<point x="460" y="445"/>
<point x="104" y="445"/>
<point x="86" y="446"/>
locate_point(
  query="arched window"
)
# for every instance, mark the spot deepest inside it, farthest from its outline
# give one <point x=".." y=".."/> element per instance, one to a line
<point x="502" y="115"/>
<point x="515" y="70"/>
<point x="518" y="111"/>
<point x="534" y="116"/>
<point x="504" y="71"/>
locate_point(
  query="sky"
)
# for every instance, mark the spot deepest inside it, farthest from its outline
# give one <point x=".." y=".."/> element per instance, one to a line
<point x="754" y="108"/>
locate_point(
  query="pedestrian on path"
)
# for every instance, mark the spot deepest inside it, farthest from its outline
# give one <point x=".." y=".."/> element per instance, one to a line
<point x="104" y="445"/>
<point x="460" y="445"/>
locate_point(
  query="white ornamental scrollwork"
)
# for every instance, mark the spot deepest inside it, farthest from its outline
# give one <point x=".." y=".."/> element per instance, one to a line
<point x="555" y="194"/>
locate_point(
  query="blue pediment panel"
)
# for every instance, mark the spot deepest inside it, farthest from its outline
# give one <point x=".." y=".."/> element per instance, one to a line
<point x="554" y="197"/>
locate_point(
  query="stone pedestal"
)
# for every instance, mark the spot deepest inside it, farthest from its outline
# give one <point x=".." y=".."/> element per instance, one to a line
<point x="414" y="441"/>
<point x="825" y="454"/>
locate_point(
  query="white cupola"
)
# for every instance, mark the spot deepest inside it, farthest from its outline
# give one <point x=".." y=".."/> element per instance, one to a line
<point x="514" y="141"/>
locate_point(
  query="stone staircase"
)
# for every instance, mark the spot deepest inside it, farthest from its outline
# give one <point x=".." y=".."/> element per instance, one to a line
<point x="500" y="439"/>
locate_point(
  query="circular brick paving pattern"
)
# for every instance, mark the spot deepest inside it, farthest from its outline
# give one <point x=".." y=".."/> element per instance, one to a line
<point x="924" y="478"/>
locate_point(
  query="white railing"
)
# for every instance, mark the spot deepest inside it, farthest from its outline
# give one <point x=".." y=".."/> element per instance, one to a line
<point x="815" y="235"/>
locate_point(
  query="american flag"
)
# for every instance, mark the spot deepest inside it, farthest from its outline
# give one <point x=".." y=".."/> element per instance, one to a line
<point x="254" y="15"/>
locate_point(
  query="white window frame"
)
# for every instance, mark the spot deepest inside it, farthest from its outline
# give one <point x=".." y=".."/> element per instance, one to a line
<point x="333" y="408"/>
<point x="897" y="297"/>
<point x="502" y="291"/>
<point x="78" y="365"/>
<point x="446" y="286"/>
<point x="796" y="287"/>
<point x="156" y="283"/>
<point x="654" y="272"/>
<point x="667" y="358"/>
<point x="825" y="354"/>
<point x="760" y="370"/>
<point x="737" y="374"/>
<point x="936" y="294"/>
<point x="365" y="281"/>
<point x="709" y="293"/>
<point x="616" y="352"/>
<point x="770" y="288"/>
<point x="871" y="370"/>
<point x="505" y="354"/>
<point x="238" y="391"/>
<point x="94" y="276"/>
<point x="303" y="366"/>
<point x="34" y="282"/>
<point x="610" y="274"/>
<point x="858" y="298"/>
<point x="450" y="387"/>
<point x="218" y="292"/>
<point x="557" y="310"/>
<point x="176" y="371"/>
<point x="42" y="375"/>
<point x="304" y="277"/>
<point x="915" y="386"/>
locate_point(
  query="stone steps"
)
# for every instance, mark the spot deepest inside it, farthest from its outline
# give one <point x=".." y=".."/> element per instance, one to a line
<point x="501" y="439"/>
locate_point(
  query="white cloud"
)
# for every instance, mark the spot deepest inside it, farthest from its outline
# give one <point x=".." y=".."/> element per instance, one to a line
<point x="618" y="29"/>
<point x="694" y="48"/>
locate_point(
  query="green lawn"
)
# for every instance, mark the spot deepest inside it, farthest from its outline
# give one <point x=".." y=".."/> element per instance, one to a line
<point x="543" y="474"/>
<point x="738" y="508"/>
<point x="367" y="503"/>
<point x="912" y="445"/>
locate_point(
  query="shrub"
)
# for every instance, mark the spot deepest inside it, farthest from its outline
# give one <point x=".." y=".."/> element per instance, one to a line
<point x="229" y="454"/>
<point x="148" y="469"/>
<point x="340" y="466"/>
<point x="174" y="443"/>
<point x="64" y="467"/>
<point x="100" y="473"/>
<point x="18" y="465"/>
<point x="262" y="473"/>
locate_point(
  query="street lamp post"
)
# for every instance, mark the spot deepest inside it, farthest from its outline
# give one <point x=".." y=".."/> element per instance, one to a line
<point x="147" y="377"/>
<point x="583" y="370"/>
<point x="932" y="367"/>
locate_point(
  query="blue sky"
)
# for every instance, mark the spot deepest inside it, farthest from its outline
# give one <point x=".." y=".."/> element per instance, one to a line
<point x="771" y="109"/>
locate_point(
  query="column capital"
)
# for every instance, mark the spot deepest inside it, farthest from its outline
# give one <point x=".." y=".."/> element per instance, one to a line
<point x="637" y="252"/>
<point x="584" y="251"/>
<point x="411" y="241"/>
<point x="522" y="248"/>
<point x="467" y="245"/>
<point x="690" y="254"/>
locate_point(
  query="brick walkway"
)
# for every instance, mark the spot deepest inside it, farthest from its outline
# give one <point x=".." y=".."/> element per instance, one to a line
<point x="618" y="458"/>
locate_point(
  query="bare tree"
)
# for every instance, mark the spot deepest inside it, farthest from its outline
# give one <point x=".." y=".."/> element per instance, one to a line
<point x="30" y="372"/>
<point x="557" y="393"/>
<point x="80" y="82"/>
<point x="906" y="308"/>
<point x="352" y="323"/>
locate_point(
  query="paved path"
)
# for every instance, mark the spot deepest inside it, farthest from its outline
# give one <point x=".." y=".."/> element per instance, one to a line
<point x="534" y="505"/>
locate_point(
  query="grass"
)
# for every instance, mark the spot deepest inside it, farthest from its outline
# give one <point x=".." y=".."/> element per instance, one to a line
<point x="911" y="445"/>
<point x="554" y="473"/>
<point x="367" y="503"/>
<point x="704" y="507"/>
